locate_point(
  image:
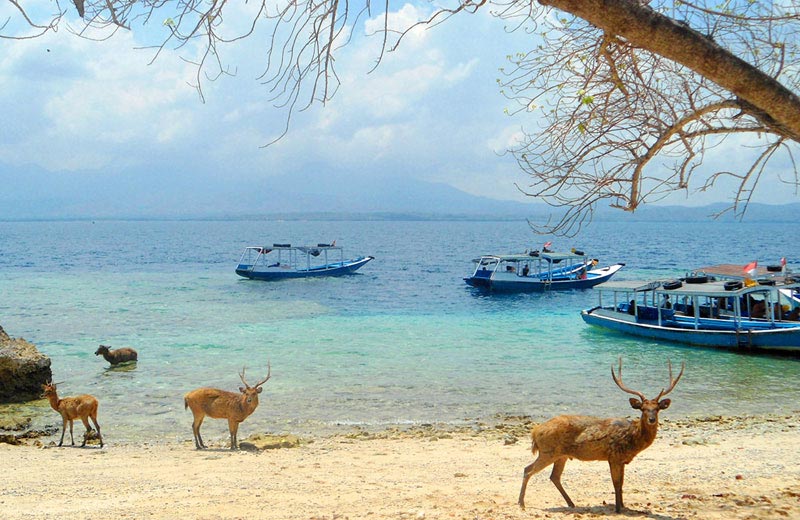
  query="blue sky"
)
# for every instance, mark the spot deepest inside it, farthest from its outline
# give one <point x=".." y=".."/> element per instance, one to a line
<point x="432" y="110"/>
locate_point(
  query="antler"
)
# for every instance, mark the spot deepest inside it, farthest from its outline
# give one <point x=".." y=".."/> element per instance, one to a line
<point x="241" y="376"/>
<point x="622" y="387"/>
<point x="269" y="371"/>
<point x="672" y="382"/>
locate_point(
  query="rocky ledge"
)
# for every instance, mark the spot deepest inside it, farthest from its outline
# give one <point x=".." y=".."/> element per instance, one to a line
<point x="23" y="370"/>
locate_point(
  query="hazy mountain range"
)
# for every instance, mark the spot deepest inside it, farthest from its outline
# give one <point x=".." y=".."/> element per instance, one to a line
<point x="36" y="194"/>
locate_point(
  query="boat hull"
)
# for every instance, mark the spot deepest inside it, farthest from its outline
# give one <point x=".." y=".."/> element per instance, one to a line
<point x="278" y="273"/>
<point x="785" y="340"/>
<point x="512" y="283"/>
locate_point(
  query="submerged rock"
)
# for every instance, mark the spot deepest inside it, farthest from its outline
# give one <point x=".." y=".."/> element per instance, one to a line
<point x="23" y="370"/>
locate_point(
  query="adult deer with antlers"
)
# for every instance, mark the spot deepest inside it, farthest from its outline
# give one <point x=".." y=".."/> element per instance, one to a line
<point x="617" y="441"/>
<point x="220" y="404"/>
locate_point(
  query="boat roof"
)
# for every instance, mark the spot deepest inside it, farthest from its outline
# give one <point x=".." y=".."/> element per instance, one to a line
<point x="736" y="271"/>
<point x="518" y="257"/>
<point x="712" y="289"/>
<point x="304" y="248"/>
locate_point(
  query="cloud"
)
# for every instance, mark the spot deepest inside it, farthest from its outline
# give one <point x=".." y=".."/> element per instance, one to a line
<point x="91" y="100"/>
<point x="402" y="22"/>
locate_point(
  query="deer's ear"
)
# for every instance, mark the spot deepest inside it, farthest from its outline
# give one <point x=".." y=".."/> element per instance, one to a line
<point x="241" y="389"/>
<point x="664" y="404"/>
<point x="259" y="389"/>
<point x="635" y="403"/>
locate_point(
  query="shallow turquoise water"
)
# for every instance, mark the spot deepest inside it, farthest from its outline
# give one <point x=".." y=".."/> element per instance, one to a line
<point x="403" y="342"/>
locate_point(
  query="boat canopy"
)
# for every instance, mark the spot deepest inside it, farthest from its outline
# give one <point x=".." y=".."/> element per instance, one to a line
<point x="520" y="257"/>
<point x="710" y="289"/>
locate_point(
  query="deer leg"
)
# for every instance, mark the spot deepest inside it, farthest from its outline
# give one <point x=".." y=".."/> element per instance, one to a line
<point x="70" y="432"/>
<point x="97" y="427"/>
<point x="63" y="431"/>
<point x="617" y="477"/>
<point x="555" y="478"/>
<point x="85" y="421"/>
<point x="198" y="440"/>
<point x="531" y="469"/>
<point x="233" y="426"/>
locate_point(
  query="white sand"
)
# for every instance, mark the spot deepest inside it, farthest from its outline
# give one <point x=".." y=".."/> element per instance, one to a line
<point x="746" y="468"/>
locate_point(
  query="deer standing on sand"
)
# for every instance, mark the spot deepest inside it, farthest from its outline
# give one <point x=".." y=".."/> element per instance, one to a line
<point x="617" y="441"/>
<point x="220" y="404"/>
<point x="80" y="407"/>
<point x="117" y="356"/>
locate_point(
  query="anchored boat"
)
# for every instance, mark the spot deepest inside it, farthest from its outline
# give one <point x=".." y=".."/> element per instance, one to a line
<point x="283" y="261"/>
<point x="732" y="314"/>
<point x="539" y="271"/>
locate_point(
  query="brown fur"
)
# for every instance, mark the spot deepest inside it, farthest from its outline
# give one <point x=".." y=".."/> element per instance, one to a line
<point x="221" y="404"/>
<point x="581" y="437"/>
<point x="117" y="356"/>
<point x="80" y="407"/>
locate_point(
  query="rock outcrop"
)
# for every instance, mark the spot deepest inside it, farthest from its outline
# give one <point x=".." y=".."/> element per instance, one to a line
<point x="23" y="370"/>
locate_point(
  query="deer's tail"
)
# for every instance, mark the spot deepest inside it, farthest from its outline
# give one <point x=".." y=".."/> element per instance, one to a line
<point x="185" y="404"/>
<point x="534" y="447"/>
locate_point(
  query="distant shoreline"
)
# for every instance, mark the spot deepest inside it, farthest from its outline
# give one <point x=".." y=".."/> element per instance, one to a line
<point x="756" y="212"/>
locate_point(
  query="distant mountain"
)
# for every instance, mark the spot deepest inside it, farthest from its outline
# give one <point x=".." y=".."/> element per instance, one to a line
<point x="33" y="193"/>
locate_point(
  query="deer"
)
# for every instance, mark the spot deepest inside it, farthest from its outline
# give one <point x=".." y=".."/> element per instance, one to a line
<point x="80" y="407"/>
<point x="221" y="404"/>
<point x="117" y="356"/>
<point x="616" y="440"/>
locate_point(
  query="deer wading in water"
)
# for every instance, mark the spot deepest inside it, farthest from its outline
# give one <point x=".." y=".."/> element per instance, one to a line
<point x="117" y="356"/>
<point x="580" y="437"/>
<point x="220" y="404"/>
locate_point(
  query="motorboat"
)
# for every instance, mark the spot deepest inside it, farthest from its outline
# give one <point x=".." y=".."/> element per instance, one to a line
<point x="284" y="261"/>
<point x="742" y="315"/>
<point x="539" y="271"/>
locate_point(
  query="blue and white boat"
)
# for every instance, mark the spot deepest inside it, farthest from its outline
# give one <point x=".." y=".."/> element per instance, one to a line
<point x="283" y="261"/>
<point x="539" y="271"/>
<point x="735" y="315"/>
<point x="762" y="275"/>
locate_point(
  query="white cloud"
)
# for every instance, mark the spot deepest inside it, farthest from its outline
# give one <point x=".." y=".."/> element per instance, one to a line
<point x="401" y="21"/>
<point x="93" y="97"/>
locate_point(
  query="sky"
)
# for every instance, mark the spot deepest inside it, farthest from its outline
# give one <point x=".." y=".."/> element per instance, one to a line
<point x="103" y="115"/>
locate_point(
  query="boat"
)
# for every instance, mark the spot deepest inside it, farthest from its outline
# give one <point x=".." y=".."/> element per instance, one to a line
<point x="729" y="314"/>
<point x="752" y="271"/>
<point x="283" y="261"/>
<point x="539" y="271"/>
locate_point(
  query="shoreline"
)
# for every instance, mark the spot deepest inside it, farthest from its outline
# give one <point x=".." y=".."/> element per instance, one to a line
<point x="508" y="427"/>
<point x="714" y="467"/>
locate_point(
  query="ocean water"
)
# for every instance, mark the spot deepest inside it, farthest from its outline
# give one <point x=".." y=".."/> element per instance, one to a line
<point x="403" y="342"/>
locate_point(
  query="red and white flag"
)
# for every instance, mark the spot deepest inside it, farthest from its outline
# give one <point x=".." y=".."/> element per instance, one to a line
<point x="750" y="269"/>
<point x="547" y="244"/>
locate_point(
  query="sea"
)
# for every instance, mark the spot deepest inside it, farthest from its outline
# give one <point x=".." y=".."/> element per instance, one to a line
<point x="402" y="343"/>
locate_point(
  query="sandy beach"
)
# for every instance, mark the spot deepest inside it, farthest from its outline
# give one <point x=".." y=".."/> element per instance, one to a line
<point x="744" y="467"/>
